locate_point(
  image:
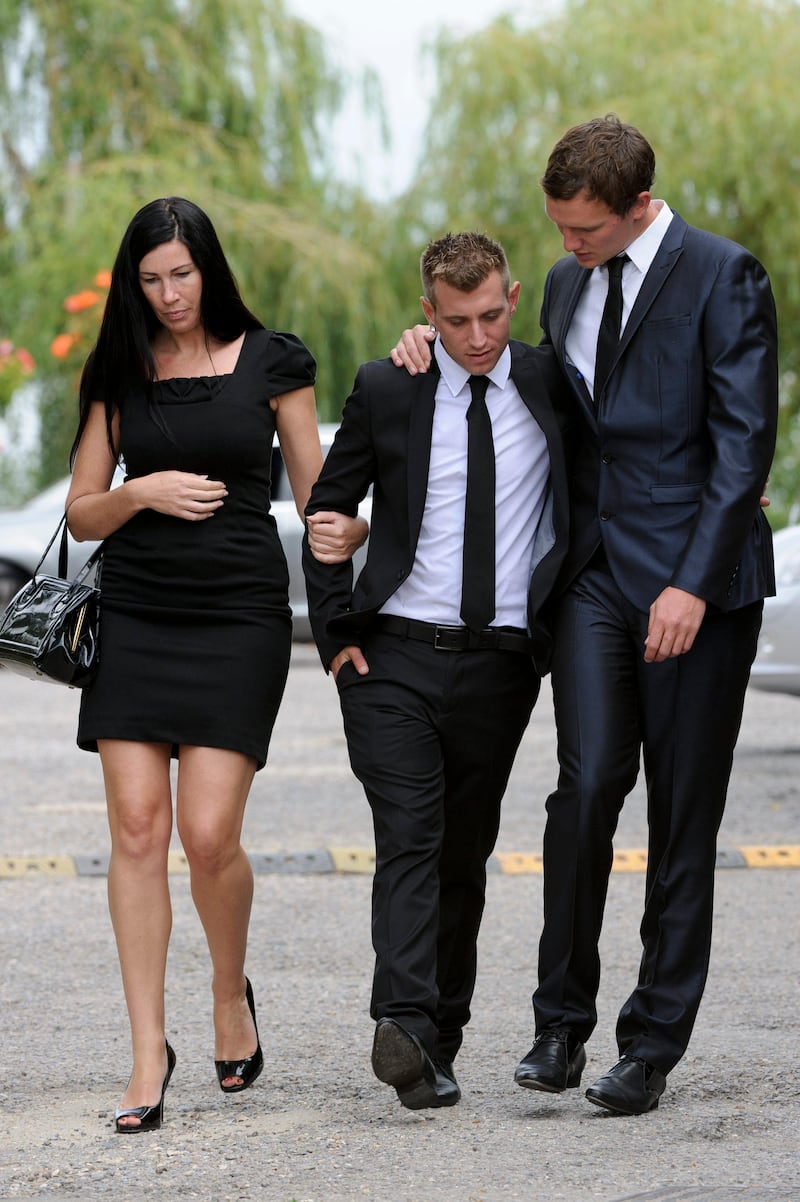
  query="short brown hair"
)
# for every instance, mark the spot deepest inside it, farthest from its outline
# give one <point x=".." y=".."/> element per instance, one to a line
<point x="463" y="261"/>
<point x="607" y="159"/>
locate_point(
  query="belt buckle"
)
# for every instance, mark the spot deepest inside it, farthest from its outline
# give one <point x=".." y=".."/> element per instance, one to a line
<point x="441" y="635"/>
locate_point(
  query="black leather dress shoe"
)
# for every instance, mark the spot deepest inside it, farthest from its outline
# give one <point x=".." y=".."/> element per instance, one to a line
<point x="447" y="1088"/>
<point x="554" y="1063"/>
<point x="399" y="1059"/>
<point x="632" y="1086"/>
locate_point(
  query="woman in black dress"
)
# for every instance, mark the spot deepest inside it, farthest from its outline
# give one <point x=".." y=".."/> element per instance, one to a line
<point x="187" y="388"/>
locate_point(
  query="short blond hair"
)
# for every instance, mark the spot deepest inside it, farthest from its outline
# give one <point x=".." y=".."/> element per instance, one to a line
<point x="463" y="261"/>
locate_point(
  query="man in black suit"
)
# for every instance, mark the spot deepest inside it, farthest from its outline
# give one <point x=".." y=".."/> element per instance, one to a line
<point x="660" y="595"/>
<point x="438" y="648"/>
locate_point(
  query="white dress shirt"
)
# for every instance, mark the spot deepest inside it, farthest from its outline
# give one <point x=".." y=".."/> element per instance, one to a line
<point x="432" y="590"/>
<point x="581" y="343"/>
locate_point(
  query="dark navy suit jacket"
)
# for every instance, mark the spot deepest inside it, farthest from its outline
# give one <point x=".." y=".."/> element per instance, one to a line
<point x="671" y="465"/>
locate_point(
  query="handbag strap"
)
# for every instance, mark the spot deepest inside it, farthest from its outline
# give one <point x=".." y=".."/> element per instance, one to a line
<point x="63" y="554"/>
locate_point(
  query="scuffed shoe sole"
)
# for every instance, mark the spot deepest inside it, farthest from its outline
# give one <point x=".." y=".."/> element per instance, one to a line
<point x="398" y="1060"/>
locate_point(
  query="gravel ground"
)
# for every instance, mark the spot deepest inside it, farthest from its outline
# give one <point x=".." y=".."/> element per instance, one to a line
<point x="317" y="1126"/>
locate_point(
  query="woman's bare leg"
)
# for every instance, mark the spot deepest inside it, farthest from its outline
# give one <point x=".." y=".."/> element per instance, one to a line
<point x="213" y="785"/>
<point x="140" y="820"/>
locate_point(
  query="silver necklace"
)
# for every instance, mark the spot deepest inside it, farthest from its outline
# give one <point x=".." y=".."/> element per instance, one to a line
<point x="182" y="386"/>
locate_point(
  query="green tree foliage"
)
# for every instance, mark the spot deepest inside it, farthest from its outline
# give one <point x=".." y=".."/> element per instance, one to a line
<point x="715" y="88"/>
<point x="105" y="104"/>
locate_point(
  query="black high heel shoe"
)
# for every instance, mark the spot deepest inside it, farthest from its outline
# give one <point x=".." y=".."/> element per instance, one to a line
<point x="150" y="1117"/>
<point x="250" y="1067"/>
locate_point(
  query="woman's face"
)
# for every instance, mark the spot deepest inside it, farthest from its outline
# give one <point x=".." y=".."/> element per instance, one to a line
<point x="173" y="286"/>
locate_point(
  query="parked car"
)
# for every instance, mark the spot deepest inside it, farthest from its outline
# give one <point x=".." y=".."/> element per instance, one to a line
<point x="777" y="664"/>
<point x="24" y="533"/>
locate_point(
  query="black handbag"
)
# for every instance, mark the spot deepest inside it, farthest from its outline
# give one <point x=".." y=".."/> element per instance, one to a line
<point x="50" y="628"/>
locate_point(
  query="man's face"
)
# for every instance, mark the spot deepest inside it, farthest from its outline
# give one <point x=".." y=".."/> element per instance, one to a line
<point x="589" y="229"/>
<point x="473" y="326"/>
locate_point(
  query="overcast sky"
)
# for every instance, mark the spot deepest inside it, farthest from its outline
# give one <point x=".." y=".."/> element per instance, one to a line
<point x="389" y="36"/>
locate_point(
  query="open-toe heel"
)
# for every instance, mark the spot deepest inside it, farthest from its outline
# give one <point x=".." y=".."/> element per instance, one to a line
<point x="150" y="1117"/>
<point x="247" y="1069"/>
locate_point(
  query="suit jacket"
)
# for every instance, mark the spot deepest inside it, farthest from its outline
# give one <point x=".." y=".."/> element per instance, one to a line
<point x="671" y="465"/>
<point x="384" y="440"/>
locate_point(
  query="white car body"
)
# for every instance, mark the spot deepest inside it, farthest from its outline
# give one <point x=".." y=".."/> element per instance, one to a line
<point x="777" y="664"/>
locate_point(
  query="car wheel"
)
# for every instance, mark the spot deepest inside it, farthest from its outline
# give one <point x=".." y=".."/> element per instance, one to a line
<point x="11" y="581"/>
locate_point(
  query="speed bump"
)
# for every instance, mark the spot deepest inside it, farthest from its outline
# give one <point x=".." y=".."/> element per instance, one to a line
<point x="787" y="856"/>
<point x="302" y="862"/>
<point x="352" y="859"/>
<point x="37" y="866"/>
<point x="516" y="863"/>
<point x="361" y="861"/>
<point x="630" y="861"/>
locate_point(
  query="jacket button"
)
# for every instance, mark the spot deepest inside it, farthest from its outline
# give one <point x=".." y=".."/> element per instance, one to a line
<point x="607" y="458"/>
<point x="605" y="515"/>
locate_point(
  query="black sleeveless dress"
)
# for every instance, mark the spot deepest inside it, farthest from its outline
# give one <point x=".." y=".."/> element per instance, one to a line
<point x="196" y="629"/>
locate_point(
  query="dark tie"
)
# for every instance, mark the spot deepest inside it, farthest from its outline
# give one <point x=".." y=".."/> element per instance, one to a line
<point x="610" y="322"/>
<point x="477" y="592"/>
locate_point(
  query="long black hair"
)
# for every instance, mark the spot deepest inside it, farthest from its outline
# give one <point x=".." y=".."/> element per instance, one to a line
<point x="122" y="356"/>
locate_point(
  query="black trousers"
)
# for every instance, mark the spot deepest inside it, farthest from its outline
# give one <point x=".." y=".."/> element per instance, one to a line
<point x="683" y="715"/>
<point x="432" y="736"/>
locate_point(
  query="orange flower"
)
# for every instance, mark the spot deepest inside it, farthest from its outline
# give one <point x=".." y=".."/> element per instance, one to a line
<point x="25" y="360"/>
<point x="61" y="345"/>
<point x="15" y="364"/>
<point x="103" y="279"/>
<point x="80" y="301"/>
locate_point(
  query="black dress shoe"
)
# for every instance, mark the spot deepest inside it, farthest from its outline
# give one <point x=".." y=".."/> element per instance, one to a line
<point x="632" y="1086"/>
<point x="244" y="1071"/>
<point x="399" y="1059"/>
<point x="447" y="1088"/>
<point x="554" y="1063"/>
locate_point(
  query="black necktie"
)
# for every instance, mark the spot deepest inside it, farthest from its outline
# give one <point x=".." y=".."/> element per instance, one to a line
<point x="477" y="593"/>
<point x="610" y="322"/>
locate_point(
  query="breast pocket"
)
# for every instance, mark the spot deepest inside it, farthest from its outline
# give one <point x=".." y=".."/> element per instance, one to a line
<point x="671" y="319"/>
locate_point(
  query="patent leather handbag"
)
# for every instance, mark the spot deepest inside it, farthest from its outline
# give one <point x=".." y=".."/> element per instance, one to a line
<point x="50" y="629"/>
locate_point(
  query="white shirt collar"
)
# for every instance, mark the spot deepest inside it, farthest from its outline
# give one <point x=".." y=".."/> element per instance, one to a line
<point x="644" y="249"/>
<point x="455" y="376"/>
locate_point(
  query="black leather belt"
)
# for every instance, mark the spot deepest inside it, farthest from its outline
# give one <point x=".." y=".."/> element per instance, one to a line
<point x="456" y="638"/>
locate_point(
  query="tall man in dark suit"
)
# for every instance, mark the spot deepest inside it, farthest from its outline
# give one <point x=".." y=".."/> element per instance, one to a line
<point x="670" y="559"/>
<point x="668" y="336"/>
<point x="438" y="665"/>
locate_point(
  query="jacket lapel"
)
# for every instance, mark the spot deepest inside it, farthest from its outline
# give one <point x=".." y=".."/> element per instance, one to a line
<point x="422" y="392"/>
<point x="669" y="252"/>
<point x="531" y="387"/>
<point x="562" y="304"/>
